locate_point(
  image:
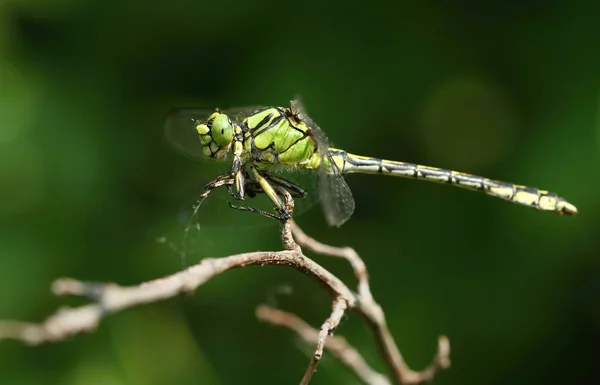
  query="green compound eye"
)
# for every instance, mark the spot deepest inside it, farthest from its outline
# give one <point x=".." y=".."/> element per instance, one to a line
<point x="221" y="130"/>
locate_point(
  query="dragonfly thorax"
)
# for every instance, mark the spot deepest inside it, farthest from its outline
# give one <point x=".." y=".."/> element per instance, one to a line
<point x="275" y="136"/>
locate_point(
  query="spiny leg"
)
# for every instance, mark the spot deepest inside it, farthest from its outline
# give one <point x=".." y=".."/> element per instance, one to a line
<point x="239" y="177"/>
<point x="222" y="180"/>
<point x="280" y="191"/>
<point x="241" y="180"/>
<point x="252" y="189"/>
<point x="256" y="210"/>
<point x="262" y="185"/>
<point x="235" y="180"/>
<point x="295" y="190"/>
<point x="250" y="186"/>
<point x="271" y="191"/>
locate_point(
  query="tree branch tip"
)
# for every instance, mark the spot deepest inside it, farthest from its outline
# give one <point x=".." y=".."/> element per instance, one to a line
<point x="443" y="354"/>
<point x="262" y="311"/>
<point x="28" y="333"/>
<point x="67" y="286"/>
<point x="277" y="317"/>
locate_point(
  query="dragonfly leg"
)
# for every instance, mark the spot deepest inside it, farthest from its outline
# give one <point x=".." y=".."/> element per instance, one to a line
<point x="273" y="191"/>
<point x="256" y="210"/>
<point x="239" y="175"/>
<point x="270" y="185"/>
<point x="295" y="190"/>
<point x="237" y="178"/>
<point x="222" y="180"/>
<point x="283" y="214"/>
<point x="228" y="181"/>
<point x="253" y="188"/>
<point x="239" y="185"/>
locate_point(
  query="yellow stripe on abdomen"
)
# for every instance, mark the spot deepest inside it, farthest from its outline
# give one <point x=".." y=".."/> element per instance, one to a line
<point x="527" y="196"/>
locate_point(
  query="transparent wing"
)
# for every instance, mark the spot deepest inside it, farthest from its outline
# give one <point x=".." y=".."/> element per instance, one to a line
<point x="180" y="130"/>
<point x="336" y="196"/>
<point x="334" y="193"/>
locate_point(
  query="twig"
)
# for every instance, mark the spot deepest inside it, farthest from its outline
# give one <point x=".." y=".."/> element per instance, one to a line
<point x="339" y="308"/>
<point x="110" y="298"/>
<point x="372" y="311"/>
<point x="337" y="345"/>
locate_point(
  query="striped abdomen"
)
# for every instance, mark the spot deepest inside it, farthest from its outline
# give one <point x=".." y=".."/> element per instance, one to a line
<point x="527" y="196"/>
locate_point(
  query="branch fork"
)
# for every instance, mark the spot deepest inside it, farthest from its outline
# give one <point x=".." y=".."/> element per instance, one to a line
<point x="109" y="298"/>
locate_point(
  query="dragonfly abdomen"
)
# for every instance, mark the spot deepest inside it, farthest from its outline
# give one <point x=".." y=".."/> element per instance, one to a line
<point x="527" y="196"/>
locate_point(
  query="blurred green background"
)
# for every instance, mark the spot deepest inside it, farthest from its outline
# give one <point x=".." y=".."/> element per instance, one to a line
<point x="87" y="182"/>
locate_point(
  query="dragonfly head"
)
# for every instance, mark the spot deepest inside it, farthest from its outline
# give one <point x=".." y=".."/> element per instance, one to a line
<point x="216" y="135"/>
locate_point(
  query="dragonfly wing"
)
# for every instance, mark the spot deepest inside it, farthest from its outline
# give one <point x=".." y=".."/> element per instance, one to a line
<point x="335" y="194"/>
<point x="180" y="131"/>
<point x="237" y="114"/>
<point x="336" y="197"/>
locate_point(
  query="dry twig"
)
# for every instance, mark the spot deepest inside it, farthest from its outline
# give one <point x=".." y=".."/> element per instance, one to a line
<point x="337" y="345"/>
<point x="110" y="298"/>
<point x="372" y="311"/>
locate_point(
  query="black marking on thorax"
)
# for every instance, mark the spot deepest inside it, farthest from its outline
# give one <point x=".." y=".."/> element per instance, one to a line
<point x="261" y="127"/>
<point x="256" y="154"/>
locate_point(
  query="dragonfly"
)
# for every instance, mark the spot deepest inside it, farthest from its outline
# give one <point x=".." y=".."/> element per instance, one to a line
<point x="262" y="140"/>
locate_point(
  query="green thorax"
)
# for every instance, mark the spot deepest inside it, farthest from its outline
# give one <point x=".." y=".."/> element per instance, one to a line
<point x="273" y="135"/>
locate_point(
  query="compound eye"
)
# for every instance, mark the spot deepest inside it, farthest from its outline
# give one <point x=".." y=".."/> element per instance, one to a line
<point x="222" y="130"/>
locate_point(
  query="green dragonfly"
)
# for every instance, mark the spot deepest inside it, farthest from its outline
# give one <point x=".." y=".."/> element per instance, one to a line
<point x="262" y="140"/>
